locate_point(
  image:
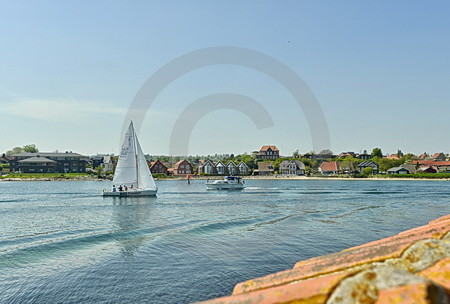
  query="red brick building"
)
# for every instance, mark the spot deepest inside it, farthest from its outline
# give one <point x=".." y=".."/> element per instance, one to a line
<point x="158" y="167"/>
<point x="182" y="167"/>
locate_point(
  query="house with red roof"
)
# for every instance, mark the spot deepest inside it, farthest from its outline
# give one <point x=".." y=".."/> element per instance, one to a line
<point x="158" y="167"/>
<point x="329" y="168"/>
<point x="181" y="168"/>
<point x="440" y="166"/>
<point x="269" y="152"/>
<point x="423" y="156"/>
<point x="439" y="157"/>
<point x="392" y="156"/>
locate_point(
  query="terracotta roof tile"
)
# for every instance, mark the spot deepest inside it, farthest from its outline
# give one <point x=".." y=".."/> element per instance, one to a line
<point x="411" y="267"/>
<point x="329" y="166"/>
<point x="265" y="148"/>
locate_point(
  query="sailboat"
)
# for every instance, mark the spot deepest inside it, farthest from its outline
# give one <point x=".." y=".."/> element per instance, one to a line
<point x="132" y="176"/>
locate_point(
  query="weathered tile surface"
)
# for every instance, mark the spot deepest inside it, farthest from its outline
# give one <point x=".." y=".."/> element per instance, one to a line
<point x="411" y="267"/>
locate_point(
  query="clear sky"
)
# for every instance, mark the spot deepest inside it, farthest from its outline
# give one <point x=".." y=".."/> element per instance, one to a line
<point x="379" y="69"/>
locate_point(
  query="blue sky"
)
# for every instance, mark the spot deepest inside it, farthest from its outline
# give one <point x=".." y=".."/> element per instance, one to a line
<point x="380" y="71"/>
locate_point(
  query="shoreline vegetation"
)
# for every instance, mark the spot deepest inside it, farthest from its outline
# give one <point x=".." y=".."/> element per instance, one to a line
<point x="88" y="177"/>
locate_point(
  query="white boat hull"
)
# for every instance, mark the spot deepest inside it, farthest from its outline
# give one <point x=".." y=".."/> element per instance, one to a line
<point x="131" y="193"/>
<point x="223" y="186"/>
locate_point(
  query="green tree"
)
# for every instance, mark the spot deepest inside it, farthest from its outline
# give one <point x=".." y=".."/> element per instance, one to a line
<point x="376" y="152"/>
<point x="368" y="171"/>
<point x="409" y="157"/>
<point x="15" y="150"/>
<point x="277" y="162"/>
<point x="399" y="153"/>
<point x="30" y="148"/>
<point x="326" y="152"/>
<point x="386" y="164"/>
<point x="350" y="163"/>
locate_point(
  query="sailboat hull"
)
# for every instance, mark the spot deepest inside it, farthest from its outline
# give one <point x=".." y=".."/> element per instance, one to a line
<point x="131" y="193"/>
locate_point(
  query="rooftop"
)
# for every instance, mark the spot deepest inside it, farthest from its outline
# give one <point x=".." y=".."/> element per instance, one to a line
<point x="37" y="159"/>
<point x="48" y="154"/>
<point x="265" y="148"/>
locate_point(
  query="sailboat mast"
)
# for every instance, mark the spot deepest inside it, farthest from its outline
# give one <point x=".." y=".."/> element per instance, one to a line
<point x="135" y="155"/>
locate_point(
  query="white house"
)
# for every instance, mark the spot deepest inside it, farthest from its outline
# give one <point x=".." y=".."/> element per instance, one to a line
<point x="108" y="163"/>
<point x="243" y="168"/>
<point x="232" y="168"/>
<point x="220" y="168"/>
<point x="292" y="167"/>
<point x="207" y="167"/>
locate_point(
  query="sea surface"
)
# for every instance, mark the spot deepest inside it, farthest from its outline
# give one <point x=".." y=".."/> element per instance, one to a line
<point x="61" y="242"/>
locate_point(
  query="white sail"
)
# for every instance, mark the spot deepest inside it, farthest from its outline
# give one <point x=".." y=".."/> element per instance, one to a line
<point x="145" y="179"/>
<point x="132" y="170"/>
<point x="126" y="170"/>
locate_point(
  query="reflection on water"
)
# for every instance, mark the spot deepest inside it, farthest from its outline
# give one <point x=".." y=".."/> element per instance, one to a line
<point x="62" y="240"/>
<point x="132" y="214"/>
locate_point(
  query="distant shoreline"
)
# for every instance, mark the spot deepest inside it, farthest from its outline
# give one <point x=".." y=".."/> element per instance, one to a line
<point x="271" y="177"/>
<point x="281" y="177"/>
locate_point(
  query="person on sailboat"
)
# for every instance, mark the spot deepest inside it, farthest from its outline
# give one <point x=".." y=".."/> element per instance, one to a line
<point x="120" y="188"/>
<point x="126" y="188"/>
<point x="114" y="188"/>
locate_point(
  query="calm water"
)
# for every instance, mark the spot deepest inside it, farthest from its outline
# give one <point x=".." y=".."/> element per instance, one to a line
<point x="60" y="242"/>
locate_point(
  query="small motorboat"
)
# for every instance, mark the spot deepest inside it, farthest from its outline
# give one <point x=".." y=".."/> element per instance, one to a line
<point x="227" y="183"/>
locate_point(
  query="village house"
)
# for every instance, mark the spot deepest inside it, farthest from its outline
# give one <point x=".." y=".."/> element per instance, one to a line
<point x="398" y="170"/>
<point x="158" y="167"/>
<point x="393" y="156"/>
<point x="439" y="157"/>
<point x="4" y="159"/>
<point x="292" y="167"/>
<point x="443" y="168"/>
<point x="264" y="168"/>
<point x="412" y="168"/>
<point x="423" y="156"/>
<point x="346" y="167"/>
<point x="243" y="168"/>
<point x="319" y="156"/>
<point x="364" y="155"/>
<point x="96" y="161"/>
<point x="232" y="168"/>
<point x="347" y="154"/>
<point x="440" y="166"/>
<point x="221" y="169"/>
<point x="269" y="152"/>
<point x="109" y="163"/>
<point x="367" y="164"/>
<point x="181" y="168"/>
<point x="206" y="167"/>
<point x="43" y="162"/>
<point x="427" y="169"/>
<point x="329" y="168"/>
